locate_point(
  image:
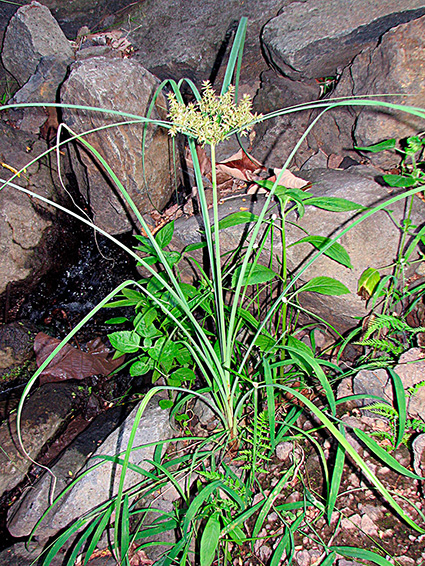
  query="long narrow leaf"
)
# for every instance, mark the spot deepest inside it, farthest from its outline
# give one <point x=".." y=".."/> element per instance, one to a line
<point x="336" y="477"/>
<point x="400" y="398"/>
<point x="361" y="553"/>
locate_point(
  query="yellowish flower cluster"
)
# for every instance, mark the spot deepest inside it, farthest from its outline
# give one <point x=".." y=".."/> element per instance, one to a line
<point x="213" y="118"/>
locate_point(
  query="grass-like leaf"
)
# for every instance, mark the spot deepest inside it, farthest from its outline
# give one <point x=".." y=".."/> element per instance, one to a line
<point x="362" y="554"/>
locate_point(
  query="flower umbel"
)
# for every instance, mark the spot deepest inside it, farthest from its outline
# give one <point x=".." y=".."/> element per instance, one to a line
<point x="213" y="118"/>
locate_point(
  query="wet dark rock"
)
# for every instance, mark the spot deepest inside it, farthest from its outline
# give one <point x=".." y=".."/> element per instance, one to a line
<point x="32" y="240"/>
<point x="33" y="33"/>
<point x="16" y="345"/>
<point x="119" y="84"/>
<point x="313" y="39"/>
<point x="44" y="414"/>
<point x="98" y="485"/>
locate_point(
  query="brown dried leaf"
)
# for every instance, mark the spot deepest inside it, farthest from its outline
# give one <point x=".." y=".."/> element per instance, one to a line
<point x="73" y="363"/>
<point x="289" y="180"/>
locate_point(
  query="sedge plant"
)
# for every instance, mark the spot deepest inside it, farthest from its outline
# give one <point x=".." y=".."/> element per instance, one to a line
<point x="207" y="331"/>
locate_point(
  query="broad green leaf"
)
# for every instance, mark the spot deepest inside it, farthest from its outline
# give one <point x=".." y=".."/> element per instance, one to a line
<point x="242" y="217"/>
<point x="141" y="367"/>
<point x="400" y="180"/>
<point x="172" y="257"/>
<point x="368" y="281"/>
<point x="117" y="320"/>
<point x="329" y="560"/>
<point x="164" y="236"/>
<point x="383" y="455"/>
<point x="300" y="346"/>
<point x="125" y="341"/>
<point x="209" y="540"/>
<point x="132" y="295"/>
<point x="281" y="191"/>
<point x="324" y="286"/>
<point x="334" y="204"/>
<point x="183" y="356"/>
<point x="254" y="275"/>
<point x="183" y="374"/>
<point x="336" y="251"/>
<point x="361" y="553"/>
<point x="377" y="147"/>
<point x="166" y="403"/>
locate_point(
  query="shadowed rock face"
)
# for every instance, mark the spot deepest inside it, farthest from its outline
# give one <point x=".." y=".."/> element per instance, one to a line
<point x="33" y="33"/>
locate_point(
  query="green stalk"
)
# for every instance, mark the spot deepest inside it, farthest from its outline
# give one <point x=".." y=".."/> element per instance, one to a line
<point x="218" y="288"/>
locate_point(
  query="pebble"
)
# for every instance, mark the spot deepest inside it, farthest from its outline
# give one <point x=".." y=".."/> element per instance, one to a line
<point x="303" y="558"/>
<point x="264" y="553"/>
<point x="351" y="523"/>
<point x="368" y="526"/>
<point x="283" y="450"/>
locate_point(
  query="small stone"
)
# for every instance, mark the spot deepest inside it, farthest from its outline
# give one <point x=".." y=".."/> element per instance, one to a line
<point x="368" y="526"/>
<point x="351" y="523"/>
<point x="283" y="450"/>
<point x="303" y="558"/>
<point x="265" y="553"/>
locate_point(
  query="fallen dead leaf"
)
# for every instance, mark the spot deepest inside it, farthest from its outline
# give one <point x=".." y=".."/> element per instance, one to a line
<point x="73" y="363"/>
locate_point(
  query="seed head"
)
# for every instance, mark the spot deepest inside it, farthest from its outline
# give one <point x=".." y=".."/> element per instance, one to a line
<point x="213" y="118"/>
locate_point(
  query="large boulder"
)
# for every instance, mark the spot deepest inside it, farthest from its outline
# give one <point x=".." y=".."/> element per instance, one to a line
<point x="313" y="39"/>
<point x="119" y="84"/>
<point x="372" y="243"/>
<point x="190" y="39"/>
<point x="100" y="483"/>
<point x="275" y="138"/>
<point x="33" y="33"/>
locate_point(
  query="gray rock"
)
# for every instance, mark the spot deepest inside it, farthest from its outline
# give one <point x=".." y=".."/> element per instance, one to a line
<point x="20" y="554"/>
<point x="313" y="39"/>
<point x="33" y="33"/>
<point x="410" y="369"/>
<point x="41" y="87"/>
<point x="372" y="382"/>
<point x="34" y="502"/>
<point x="395" y="66"/>
<point x="119" y="84"/>
<point x="44" y="414"/>
<point x="372" y="242"/>
<point x="277" y="137"/>
<point x="99" y="485"/>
